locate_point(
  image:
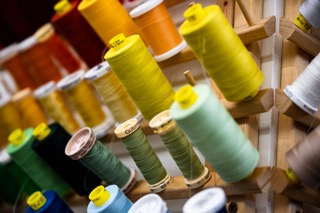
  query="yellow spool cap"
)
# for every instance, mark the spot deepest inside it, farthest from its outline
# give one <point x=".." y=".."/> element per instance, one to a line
<point x="16" y="137"/>
<point x="185" y="97"/>
<point x="292" y="176"/>
<point x="118" y="41"/>
<point x="41" y="131"/>
<point x="195" y="13"/>
<point x="36" y="200"/>
<point x="302" y="23"/>
<point x="62" y="7"/>
<point x="99" y="195"/>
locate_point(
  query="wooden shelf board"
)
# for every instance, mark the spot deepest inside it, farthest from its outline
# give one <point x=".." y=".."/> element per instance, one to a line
<point x="262" y="29"/>
<point x="287" y="107"/>
<point x="281" y="184"/>
<point x="301" y="39"/>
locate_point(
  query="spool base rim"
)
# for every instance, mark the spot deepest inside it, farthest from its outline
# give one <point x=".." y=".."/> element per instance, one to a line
<point x="201" y="180"/>
<point x="131" y="182"/>
<point x="161" y="185"/>
<point x="171" y="52"/>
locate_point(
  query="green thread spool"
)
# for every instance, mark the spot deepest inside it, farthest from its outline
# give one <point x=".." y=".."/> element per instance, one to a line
<point x="21" y="152"/>
<point x="214" y="132"/>
<point x="143" y="155"/>
<point x="180" y="149"/>
<point x="140" y="75"/>
<point x="13" y="179"/>
<point x="84" y="147"/>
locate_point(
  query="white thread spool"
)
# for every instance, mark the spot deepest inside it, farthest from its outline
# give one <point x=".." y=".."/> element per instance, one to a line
<point x="212" y="200"/>
<point x="310" y="9"/>
<point x="149" y="203"/>
<point x="305" y="90"/>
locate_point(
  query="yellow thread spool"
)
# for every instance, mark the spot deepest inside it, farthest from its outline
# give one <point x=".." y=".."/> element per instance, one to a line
<point x="108" y="18"/>
<point x="140" y="74"/>
<point x="28" y="107"/>
<point x="112" y="92"/>
<point x="221" y="52"/>
<point x="84" y="101"/>
<point x="57" y="107"/>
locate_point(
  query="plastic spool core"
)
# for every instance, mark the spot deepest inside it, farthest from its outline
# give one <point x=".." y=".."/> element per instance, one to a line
<point x="44" y="32"/>
<point x="149" y="203"/>
<point x="71" y="80"/>
<point x="292" y="176"/>
<point x="127" y="128"/>
<point x="9" y="52"/>
<point x="195" y="13"/>
<point x="44" y="90"/>
<point x="185" y="97"/>
<point x="62" y="7"/>
<point x="162" y="123"/>
<point x="300" y="102"/>
<point x="16" y="137"/>
<point x="302" y="23"/>
<point x="41" y="131"/>
<point x="5" y="157"/>
<point x="98" y="71"/>
<point x="27" y="43"/>
<point x="21" y="94"/>
<point x="118" y="41"/>
<point x="80" y="143"/>
<point x="99" y="195"/>
<point x="36" y="200"/>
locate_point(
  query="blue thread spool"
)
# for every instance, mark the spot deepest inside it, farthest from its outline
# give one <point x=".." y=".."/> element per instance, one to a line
<point x="212" y="200"/>
<point x="48" y="202"/>
<point x="108" y="199"/>
<point x="149" y="203"/>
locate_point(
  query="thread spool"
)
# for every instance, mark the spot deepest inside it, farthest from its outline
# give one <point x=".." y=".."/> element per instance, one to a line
<point x="56" y="105"/>
<point x="13" y="179"/>
<point x="84" y="147"/>
<point x="208" y="200"/>
<point x="48" y="202"/>
<point x="149" y="203"/>
<point x="53" y="43"/>
<point x="303" y="159"/>
<point x="309" y="15"/>
<point x="235" y="73"/>
<point x="214" y="132"/>
<point x="108" y="199"/>
<point x="155" y="22"/>
<point x="140" y="74"/>
<point x="69" y="22"/>
<point x="113" y="93"/>
<point x="108" y="18"/>
<point x="28" y="107"/>
<point x="50" y="144"/>
<point x="143" y="155"/>
<point x="12" y="61"/>
<point x="21" y="152"/>
<point x="41" y="66"/>
<point x="85" y="102"/>
<point x="180" y="149"/>
<point x="304" y="91"/>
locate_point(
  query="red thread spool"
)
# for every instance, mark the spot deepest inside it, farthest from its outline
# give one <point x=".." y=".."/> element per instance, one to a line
<point x="42" y="67"/>
<point x="12" y="61"/>
<point x="158" y="28"/>
<point x="303" y="159"/>
<point x="74" y="28"/>
<point x="60" y="50"/>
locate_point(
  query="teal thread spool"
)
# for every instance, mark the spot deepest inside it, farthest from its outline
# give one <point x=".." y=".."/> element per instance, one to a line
<point x="84" y="147"/>
<point x="180" y="149"/>
<point x="21" y="152"/>
<point x="214" y="132"/>
<point x="143" y="155"/>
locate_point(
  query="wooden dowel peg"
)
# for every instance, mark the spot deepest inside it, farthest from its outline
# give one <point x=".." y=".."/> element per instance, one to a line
<point x="188" y="75"/>
<point x="245" y="12"/>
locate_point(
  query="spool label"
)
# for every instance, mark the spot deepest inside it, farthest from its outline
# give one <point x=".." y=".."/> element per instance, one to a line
<point x="86" y="147"/>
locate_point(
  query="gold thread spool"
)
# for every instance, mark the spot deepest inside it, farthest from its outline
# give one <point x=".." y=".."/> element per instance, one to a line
<point x="28" y="107"/>
<point x="108" y="18"/>
<point x="57" y="107"/>
<point x="158" y="28"/>
<point x="85" y="102"/>
<point x="112" y="92"/>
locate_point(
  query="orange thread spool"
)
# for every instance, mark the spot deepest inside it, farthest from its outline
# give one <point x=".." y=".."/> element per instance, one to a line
<point x="47" y="36"/>
<point x="108" y="18"/>
<point x="29" y="109"/>
<point x="41" y="65"/>
<point x="12" y="61"/>
<point x="158" y="28"/>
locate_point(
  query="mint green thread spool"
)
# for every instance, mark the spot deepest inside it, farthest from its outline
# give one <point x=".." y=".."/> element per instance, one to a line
<point x="214" y="132"/>
<point x="143" y="155"/>
<point x="180" y="149"/>
<point x="21" y="152"/>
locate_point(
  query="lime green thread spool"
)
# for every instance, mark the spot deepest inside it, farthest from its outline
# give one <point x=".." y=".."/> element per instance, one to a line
<point x="21" y="152"/>
<point x="140" y="74"/>
<point x="143" y="155"/>
<point x="221" y="52"/>
<point x="180" y="149"/>
<point x="214" y="132"/>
